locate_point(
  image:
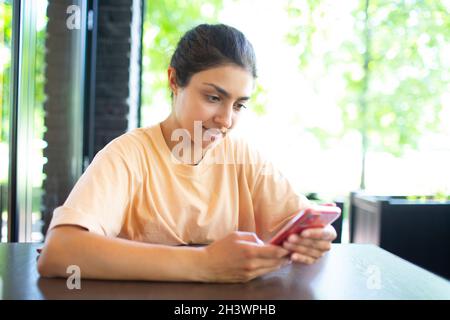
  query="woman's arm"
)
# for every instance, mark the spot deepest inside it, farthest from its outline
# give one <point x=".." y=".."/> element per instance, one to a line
<point x="239" y="257"/>
<point x="100" y="257"/>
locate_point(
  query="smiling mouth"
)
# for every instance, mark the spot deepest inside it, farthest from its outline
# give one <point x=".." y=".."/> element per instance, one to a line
<point x="215" y="132"/>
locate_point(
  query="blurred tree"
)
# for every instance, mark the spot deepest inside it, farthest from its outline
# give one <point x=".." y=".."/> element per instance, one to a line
<point x="164" y="23"/>
<point x="395" y="66"/>
<point x="5" y="76"/>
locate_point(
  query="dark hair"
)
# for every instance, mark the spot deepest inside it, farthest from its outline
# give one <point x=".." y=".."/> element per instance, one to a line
<point x="207" y="46"/>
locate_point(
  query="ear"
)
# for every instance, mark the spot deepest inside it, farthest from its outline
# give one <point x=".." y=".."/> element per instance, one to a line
<point x="171" y="75"/>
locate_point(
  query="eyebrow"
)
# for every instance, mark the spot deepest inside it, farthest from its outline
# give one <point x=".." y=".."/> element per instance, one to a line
<point x="223" y="91"/>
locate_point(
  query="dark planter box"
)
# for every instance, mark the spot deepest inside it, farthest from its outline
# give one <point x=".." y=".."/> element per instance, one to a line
<point x="338" y="223"/>
<point x="418" y="231"/>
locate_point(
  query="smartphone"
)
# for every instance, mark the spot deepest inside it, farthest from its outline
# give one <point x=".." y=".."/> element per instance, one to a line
<point x="313" y="217"/>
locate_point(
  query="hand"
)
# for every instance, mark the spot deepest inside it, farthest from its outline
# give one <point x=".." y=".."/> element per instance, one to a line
<point x="240" y="257"/>
<point x="311" y="244"/>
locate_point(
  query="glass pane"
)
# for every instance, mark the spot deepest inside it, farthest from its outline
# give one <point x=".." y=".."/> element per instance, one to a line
<point x="29" y="120"/>
<point x="38" y="143"/>
<point x="50" y="114"/>
<point x="5" y="76"/>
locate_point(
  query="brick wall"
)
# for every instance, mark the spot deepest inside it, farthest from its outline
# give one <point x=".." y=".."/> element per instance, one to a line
<point x="112" y="71"/>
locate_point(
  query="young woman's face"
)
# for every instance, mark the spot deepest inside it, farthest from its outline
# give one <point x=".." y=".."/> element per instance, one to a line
<point x="215" y="98"/>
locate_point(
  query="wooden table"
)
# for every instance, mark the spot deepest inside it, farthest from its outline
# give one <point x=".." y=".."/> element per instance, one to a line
<point x="348" y="271"/>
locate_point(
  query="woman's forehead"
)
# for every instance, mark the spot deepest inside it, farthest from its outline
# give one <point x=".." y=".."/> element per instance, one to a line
<point x="233" y="79"/>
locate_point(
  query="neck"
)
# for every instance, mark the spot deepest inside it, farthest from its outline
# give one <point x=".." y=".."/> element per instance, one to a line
<point x="167" y="127"/>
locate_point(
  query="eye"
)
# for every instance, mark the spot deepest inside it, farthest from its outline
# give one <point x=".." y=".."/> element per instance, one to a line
<point x="239" y="106"/>
<point x="212" y="98"/>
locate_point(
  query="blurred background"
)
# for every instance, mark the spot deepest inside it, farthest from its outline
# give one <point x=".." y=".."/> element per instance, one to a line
<point x="352" y="104"/>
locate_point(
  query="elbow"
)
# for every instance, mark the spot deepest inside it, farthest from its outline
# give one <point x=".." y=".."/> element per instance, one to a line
<point x="47" y="262"/>
<point x="54" y="257"/>
<point x="51" y="260"/>
<point x="43" y="268"/>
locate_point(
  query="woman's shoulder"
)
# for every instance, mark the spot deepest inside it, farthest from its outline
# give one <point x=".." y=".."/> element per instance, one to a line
<point x="133" y="143"/>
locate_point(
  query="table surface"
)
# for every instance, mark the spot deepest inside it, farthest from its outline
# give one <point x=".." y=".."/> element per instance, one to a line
<point x="348" y="271"/>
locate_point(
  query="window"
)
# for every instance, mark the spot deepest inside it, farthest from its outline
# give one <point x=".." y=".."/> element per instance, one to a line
<point x="42" y="111"/>
<point x="5" y="102"/>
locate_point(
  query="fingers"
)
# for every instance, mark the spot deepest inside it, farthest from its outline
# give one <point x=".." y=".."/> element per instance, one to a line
<point x="255" y="248"/>
<point x="306" y="251"/>
<point x="321" y="245"/>
<point x="328" y="233"/>
<point x="264" y="270"/>
<point x="262" y="259"/>
<point x="265" y="251"/>
<point x="301" y="258"/>
<point x="256" y="264"/>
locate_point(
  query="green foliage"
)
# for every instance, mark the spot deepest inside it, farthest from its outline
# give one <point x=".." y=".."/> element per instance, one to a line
<point x="5" y="83"/>
<point x="5" y="67"/>
<point x="406" y="73"/>
<point x="164" y="23"/>
<point x="393" y="65"/>
<point x="5" y="80"/>
<point x="440" y="196"/>
<point x="259" y="100"/>
<point x="407" y="76"/>
<point x="303" y="33"/>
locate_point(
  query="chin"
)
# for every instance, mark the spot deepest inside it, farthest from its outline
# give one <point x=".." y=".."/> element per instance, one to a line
<point x="206" y="144"/>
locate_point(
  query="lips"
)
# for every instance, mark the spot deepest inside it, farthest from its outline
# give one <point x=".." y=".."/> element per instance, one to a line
<point x="214" y="134"/>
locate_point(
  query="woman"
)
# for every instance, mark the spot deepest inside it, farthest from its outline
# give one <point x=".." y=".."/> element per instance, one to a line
<point x="184" y="181"/>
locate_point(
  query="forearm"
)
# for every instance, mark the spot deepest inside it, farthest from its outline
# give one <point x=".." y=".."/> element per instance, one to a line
<point x="99" y="257"/>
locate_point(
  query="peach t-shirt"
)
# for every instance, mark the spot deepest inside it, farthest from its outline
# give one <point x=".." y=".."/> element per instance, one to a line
<point x="136" y="189"/>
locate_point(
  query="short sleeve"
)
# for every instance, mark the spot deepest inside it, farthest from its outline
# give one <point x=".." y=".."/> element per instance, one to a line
<point x="100" y="198"/>
<point x="274" y="199"/>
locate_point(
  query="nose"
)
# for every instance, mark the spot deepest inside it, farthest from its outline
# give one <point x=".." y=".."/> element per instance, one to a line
<point x="225" y="118"/>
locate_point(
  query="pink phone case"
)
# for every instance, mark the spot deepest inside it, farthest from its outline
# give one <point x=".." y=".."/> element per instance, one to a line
<point x="313" y="217"/>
